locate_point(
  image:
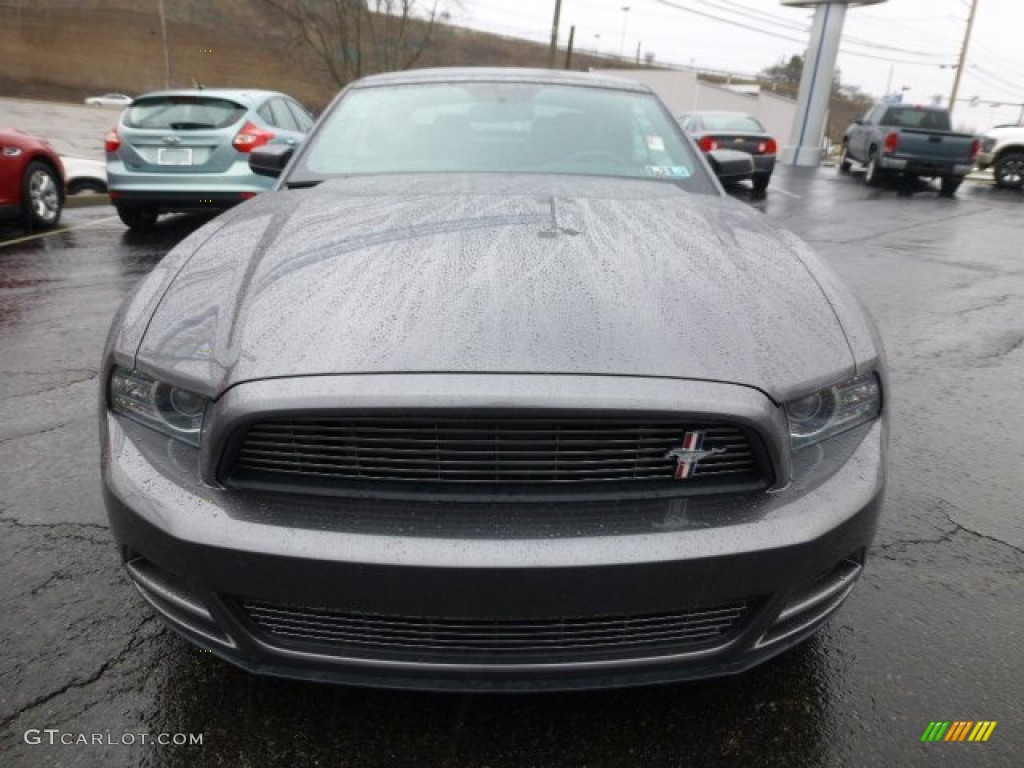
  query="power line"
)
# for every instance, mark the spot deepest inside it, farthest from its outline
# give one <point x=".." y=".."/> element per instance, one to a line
<point x="740" y="24"/>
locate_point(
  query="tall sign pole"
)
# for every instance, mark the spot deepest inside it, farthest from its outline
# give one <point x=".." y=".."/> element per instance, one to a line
<point x="805" y="139"/>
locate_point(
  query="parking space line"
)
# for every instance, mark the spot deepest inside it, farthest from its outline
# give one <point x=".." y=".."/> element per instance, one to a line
<point x="787" y="194"/>
<point x="60" y="231"/>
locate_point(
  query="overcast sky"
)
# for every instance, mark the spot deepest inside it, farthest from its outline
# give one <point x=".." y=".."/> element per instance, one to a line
<point x="913" y="42"/>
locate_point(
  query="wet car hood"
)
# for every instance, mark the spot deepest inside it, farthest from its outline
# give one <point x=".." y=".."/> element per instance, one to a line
<point x="495" y="274"/>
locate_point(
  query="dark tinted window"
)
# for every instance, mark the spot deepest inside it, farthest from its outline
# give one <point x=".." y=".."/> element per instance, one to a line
<point x="743" y="123"/>
<point x="182" y="113"/>
<point x="917" y="117"/>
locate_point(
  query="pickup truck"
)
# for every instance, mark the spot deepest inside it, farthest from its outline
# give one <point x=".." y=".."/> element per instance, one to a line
<point x="910" y="140"/>
<point x="1002" y="149"/>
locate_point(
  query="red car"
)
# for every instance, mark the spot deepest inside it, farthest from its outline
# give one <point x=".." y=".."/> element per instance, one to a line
<point x="31" y="180"/>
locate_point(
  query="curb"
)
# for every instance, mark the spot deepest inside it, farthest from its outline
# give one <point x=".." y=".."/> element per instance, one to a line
<point x="86" y="200"/>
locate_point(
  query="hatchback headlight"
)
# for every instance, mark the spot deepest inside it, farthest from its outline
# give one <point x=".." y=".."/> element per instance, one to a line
<point x="832" y="410"/>
<point x="158" y="405"/>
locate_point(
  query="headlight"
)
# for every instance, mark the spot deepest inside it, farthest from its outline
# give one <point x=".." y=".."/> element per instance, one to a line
<point x="830" y="411"/>
<point x="173" y="411"/>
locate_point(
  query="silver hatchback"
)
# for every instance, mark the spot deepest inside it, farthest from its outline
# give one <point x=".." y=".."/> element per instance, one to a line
<point x="188" y="150"/>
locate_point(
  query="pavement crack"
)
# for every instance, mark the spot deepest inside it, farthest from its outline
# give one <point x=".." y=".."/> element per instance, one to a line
<point x="996" y="301"/>
<point x="926" y="223"/>
<point x="53" y="578"/>
<point x="1006" y="347"/>
<point x="65" y="385"/>
<point x="55" y="530"/>
<point x="972" y="532"/>
<point x="34" y="432"/>
<point x="901" y="545"/>
<point x="132" y="643"/>
<point x="91" y="371"/>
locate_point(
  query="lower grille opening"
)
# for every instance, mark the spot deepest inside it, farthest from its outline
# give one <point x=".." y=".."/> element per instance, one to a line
<point x="495" y="641"/>
<point x="169" y="597"/>
<point x="817" y="602"/>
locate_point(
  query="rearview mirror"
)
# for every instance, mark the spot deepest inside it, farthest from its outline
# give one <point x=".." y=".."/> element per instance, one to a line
<point x="730" y="166"/>
<point x="270" y="160"/>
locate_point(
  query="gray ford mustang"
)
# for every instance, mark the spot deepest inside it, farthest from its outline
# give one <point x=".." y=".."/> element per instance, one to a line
<point x="496" y="390"/>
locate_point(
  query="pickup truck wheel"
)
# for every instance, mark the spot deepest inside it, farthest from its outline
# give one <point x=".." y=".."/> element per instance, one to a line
<point x="950" y="184"/>
<point x="873" y="174"/>
<point x="1009" y="170"/>
<point x="844" y="160"/>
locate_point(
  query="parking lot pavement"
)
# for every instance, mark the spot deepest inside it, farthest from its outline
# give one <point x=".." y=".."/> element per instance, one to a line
<point x="934" y="631"/>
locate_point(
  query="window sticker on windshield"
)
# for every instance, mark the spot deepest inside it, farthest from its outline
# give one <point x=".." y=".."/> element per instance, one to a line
<point x="669" y="171"/>
<point x="655" y="144"/>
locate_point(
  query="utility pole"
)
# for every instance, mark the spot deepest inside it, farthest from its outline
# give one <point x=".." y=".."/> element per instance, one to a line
<point x="963" y="56"/>
<point x="167" y="52"/>
<point x="638" y="44"/>
<point x="568" y="50"/>
<point x="553" y="47"/>
<point x="625" y="20"/>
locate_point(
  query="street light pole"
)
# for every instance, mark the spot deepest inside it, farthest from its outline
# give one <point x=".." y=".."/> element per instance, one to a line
<point x="622" y="44"/>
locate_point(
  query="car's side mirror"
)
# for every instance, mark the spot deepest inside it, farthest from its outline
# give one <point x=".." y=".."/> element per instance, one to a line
<point x="270" y="160"/>
<point x="731" y="166"/>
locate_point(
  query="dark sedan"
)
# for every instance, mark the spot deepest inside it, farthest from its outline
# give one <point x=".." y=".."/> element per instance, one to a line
<point x="496" y="390"/>
<point x="737" y="131"/>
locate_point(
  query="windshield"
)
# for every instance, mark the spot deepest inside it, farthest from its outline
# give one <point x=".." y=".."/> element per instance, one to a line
<point x="479" y="127"/>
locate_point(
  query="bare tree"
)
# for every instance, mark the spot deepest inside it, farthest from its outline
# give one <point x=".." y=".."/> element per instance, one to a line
<point x="352" y="38"/>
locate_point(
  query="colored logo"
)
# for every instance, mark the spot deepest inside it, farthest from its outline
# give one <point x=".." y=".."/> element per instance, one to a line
<point x="689" y="454"/>
<point x="958" y="730"/>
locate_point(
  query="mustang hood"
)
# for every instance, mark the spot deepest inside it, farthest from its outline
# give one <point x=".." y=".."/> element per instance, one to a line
<point x="525" y="275"/>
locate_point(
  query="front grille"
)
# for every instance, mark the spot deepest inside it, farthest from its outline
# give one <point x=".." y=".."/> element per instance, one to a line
<point x="495" y="640"/>
<point x="475" y="450"/>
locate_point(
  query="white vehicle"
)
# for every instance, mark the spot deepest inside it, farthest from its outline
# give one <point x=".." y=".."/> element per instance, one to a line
<point x="109" y="100"/>
<point x="1002" y="150"/>
<point x="83" y="175"/>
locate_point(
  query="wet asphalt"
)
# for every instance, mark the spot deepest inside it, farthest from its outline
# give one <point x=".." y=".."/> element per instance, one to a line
<point x="934" y="631"/>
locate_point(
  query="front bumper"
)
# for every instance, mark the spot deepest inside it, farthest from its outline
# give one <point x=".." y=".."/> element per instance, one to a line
<point x="200" y="554"/>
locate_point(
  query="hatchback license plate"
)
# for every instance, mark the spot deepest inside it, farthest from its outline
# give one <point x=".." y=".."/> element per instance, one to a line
<point x="174" y="156"/>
